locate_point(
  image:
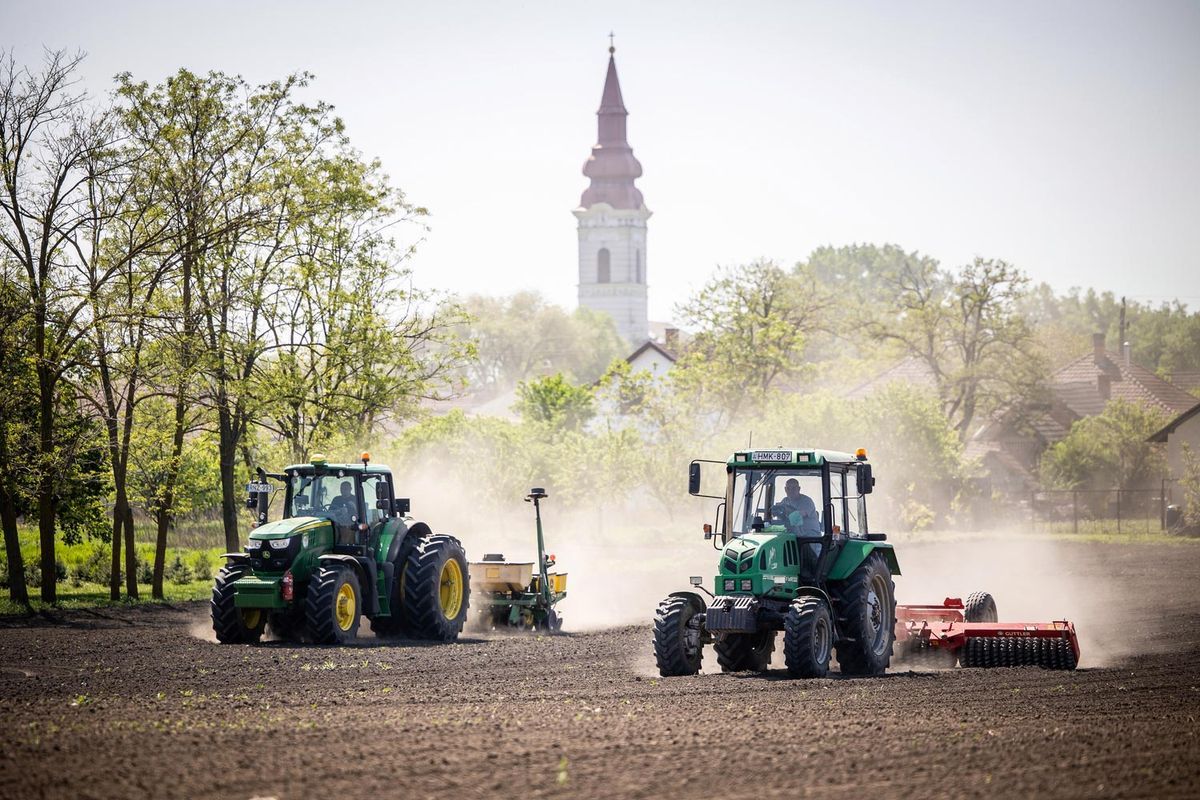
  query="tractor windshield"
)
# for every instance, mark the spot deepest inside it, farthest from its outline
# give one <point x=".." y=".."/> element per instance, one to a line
<point x="788" y="497"/>
<point x="326" y="496"/>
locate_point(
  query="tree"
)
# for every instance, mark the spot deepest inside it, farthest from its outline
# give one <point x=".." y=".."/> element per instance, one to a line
<point x="355" y="344"/>
<point x="228" y="158"/>
<point x="556" y="402"/>
<point x="968" y="330"/>
<point x="1107" y="451"/>
<point x="522" y="336"/>
<point x="752" y="323"/>
<point x="49" y="141"/>
<point x="18" y="413"/>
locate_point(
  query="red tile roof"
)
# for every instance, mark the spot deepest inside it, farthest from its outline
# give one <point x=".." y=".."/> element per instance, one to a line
<point x="1078" y="386"/>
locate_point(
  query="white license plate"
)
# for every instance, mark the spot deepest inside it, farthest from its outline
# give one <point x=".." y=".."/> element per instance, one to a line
<point x="773" y="455"/>
<point x="258" y="487"/>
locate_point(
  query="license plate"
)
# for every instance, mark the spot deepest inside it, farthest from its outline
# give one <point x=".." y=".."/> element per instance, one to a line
<point x="258" y="487"/>
<point x="773" y="455"/>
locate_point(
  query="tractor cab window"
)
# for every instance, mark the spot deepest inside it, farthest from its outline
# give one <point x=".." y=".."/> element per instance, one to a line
<point x="330" y="496"/>
<point x="375" y="488"/>
<point x="788" y="497"/>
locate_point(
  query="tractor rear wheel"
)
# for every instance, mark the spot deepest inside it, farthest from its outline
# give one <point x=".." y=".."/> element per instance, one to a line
<point x="437" y="592"/>
<point x="866" y="604"/>
<point x="742" y="652"/>
<point x="334" y="605"/>
<point x="980" y="607"/>
<point x="808" y="637"/>
<point x="231" y="624"/>
<point x="677" y="646"/>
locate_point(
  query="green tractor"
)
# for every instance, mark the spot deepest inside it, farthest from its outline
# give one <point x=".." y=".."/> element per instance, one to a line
<point x="796" y="556"/>
<point x="345" y="547"/>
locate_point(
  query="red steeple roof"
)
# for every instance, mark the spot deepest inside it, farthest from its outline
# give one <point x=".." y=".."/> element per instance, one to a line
<point x="612" y="166"/>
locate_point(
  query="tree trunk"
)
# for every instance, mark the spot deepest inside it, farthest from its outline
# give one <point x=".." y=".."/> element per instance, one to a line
<point x="163" y="519"/>
<point x="12" y="549"/>
<point x="45" y="486"/>
<point x="228" y="456"/>
<point x="131" y="587"/>
<point x="114" y="576"/>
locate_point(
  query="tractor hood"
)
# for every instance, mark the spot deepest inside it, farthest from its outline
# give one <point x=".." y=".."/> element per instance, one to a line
<point x="739" y="555"/>
<point x="283" y="528"/>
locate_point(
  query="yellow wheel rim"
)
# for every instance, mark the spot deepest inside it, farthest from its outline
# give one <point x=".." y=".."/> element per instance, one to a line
<point x="251" y="617"/>
<point x="450" y="593"/>
<point x="345" y="607"/>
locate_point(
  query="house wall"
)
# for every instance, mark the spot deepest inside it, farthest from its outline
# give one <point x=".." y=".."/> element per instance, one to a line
<point x="1188" y="433"/>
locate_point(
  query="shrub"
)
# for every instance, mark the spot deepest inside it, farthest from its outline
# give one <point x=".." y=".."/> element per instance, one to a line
<point x="96" y="567"/>
<point x="203" y="566"/>
<point x="178" y="571"/>
<point x="145" y="571"/>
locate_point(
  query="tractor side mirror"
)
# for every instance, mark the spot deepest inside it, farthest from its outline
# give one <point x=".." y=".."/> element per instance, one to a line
<point x="866" y="481"/>
<point x="402" y="505"/>
<point x="694" y="478"/>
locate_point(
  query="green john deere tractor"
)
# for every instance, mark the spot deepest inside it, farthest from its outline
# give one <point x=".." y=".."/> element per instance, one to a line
<point x="796" y="556"/>
<point x="345" y="547"/>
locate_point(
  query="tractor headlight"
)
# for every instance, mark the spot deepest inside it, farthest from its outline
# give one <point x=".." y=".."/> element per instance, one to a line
<point x="747" y="585"/>
<point x="730" y="584"/>
<point x="280" y="544"/>
<point x="254" y="544"/>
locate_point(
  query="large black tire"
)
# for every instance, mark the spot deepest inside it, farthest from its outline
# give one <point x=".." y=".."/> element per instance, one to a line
<point x="808" y="637"/>
<point x="677" y="646"/>
<point x="436" y="587"/>
<point x="742" y="652"/>
<point x="866" y="610"/>
<point x="231" y="624"/>
<point x="980" y="607"/>
<point x="334" y="605"/>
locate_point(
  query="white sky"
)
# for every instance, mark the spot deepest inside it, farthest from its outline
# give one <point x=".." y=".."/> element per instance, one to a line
<point x="1061" y="136"/>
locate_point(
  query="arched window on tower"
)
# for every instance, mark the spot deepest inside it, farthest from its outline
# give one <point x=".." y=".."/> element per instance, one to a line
<point x="603" y="266"/>
<point x="637" y="267"/>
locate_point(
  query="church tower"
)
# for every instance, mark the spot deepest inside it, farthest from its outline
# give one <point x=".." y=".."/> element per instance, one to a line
<point x="612" y="222"/>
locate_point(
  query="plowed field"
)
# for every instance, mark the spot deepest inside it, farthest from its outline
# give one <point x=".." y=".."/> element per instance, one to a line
<point x="139" y="702"/>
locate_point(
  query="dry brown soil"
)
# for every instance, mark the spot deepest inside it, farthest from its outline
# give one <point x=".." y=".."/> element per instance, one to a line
<point x="137" y="703"/>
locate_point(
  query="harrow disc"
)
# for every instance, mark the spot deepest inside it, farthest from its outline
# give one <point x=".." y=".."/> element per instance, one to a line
<point x="1016" y="651"/>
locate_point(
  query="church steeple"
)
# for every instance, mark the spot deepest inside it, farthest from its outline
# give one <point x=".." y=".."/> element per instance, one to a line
<point x="612" y="221"/>
<point x="612" y="166"/>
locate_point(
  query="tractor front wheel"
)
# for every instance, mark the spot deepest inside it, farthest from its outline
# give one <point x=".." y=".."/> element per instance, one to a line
<point x="866" y="604"/>
<point x="677" y="646"/>
<point x="808" y="637"/>
<point x="334" y="605"/>
<point x="437" y="590"/>
<point x="234" y="625"/>
<point x="741" y="652"/>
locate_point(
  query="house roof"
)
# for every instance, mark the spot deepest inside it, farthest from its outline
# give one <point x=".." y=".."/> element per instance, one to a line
<point x="1170" y="427"/>
<point x="1078" y="385"/>
<point x="650" y="345"/>
<point x="1188" y="380"/>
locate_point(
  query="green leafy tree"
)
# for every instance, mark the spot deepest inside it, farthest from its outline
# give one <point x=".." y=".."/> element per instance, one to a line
<point x="751" y="325"/>
<point x="1107" y="451"/>
<point x="50" y="145"/>
<point x="556" y="402"/>
<point x="522" y="336"/>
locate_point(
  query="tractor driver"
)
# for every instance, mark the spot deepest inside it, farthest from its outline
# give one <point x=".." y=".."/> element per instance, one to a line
<point x="344" y="503"/>
<point x="799" y="511"/>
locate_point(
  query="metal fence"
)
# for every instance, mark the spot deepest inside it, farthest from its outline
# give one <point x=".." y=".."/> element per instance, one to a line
<point x="1103" y="510"/>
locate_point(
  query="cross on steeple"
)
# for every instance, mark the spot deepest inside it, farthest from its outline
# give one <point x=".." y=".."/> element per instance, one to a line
<point x="611" y="48"/>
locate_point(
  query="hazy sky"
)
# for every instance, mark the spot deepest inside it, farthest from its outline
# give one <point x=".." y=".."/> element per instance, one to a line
<point x="1061" y="136"/>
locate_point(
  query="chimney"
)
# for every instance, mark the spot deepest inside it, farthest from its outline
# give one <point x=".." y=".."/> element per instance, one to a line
<point x="1098" y="348"/>
<point x="1127" y="352"/>
<point x="671" y="340"/>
